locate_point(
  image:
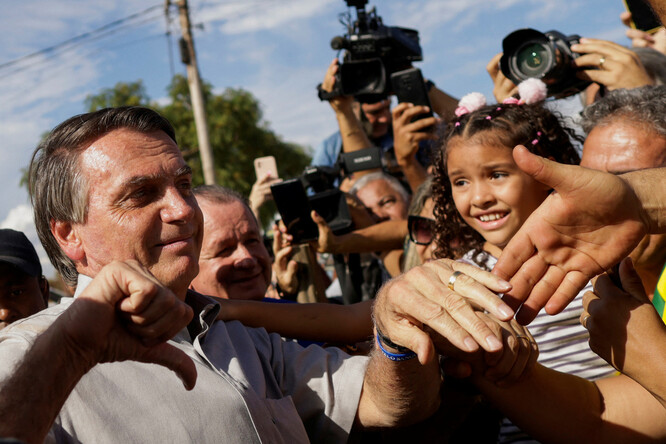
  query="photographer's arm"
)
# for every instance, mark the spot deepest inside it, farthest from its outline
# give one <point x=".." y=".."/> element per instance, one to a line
<point x="442" y="103"/>
<point x="351" y="130"/>
<point x="388" y="235"/>
<point x="407" y="135"/>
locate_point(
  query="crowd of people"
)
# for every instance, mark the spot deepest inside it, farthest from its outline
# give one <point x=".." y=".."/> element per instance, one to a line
<point x="496" y="286"/>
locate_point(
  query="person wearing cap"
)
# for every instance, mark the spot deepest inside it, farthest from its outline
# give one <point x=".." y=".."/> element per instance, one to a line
<point x="23" y="289"/>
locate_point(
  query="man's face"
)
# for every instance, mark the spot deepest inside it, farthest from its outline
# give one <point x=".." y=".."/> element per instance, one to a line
<point x="383" y="200"/>
<point x="234" y="262"/>
<point x="140" y="206"/>
<point x="624" y="146"/>
<point x="21" y="295"/>
<point x="379" y="117"/>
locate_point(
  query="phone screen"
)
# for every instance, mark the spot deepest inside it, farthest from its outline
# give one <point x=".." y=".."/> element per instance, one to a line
<point x="642" y="16"/>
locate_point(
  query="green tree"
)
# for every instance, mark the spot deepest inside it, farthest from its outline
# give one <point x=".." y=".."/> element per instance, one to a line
<point x="238" y="132"/>
<point x="123" y="94"/>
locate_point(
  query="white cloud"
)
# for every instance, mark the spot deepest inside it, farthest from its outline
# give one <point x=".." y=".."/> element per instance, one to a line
<point x="250" y="17"/>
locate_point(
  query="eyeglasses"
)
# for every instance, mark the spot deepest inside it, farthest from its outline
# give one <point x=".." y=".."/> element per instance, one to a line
<point x="421" y="229"/>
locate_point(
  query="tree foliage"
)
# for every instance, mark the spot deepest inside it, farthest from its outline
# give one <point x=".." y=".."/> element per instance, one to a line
<point x="238" y="133"/>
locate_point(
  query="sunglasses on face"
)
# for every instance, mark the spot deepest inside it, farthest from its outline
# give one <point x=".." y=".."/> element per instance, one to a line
<point x="421" y="229"/>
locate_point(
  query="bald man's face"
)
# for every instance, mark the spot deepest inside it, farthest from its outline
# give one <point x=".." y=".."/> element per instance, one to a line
<point x="623" y="146"/>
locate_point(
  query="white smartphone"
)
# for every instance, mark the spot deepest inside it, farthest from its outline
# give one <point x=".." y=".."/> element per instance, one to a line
<point x="265" y="165"/>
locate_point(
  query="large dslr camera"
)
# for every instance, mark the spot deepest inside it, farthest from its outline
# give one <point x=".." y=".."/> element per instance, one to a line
<point x="529" y="53"/>
<point x="372" y="53"/>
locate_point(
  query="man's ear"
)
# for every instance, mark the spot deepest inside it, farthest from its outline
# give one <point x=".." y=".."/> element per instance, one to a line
<point x="44" y="288"/>
<point x="67" y="237"/>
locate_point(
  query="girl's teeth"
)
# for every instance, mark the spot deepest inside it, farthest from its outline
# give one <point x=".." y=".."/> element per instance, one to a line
<point x="490" y="217"/>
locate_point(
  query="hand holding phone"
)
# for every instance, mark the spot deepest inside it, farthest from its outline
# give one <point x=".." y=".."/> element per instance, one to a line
<point x="642" y="16"/>
<point x="265" y="166"/>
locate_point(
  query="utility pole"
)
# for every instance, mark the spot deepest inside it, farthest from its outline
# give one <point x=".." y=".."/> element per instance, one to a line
<point x="189" y="58"/>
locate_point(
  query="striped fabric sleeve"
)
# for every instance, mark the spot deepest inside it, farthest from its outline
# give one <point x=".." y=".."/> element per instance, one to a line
<point x="659" y="299"/>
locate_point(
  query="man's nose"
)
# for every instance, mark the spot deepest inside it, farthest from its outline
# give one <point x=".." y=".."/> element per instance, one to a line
<point x="6" y="314"/>
<point x="243" y="258"/>
<point x="177" y="208"/>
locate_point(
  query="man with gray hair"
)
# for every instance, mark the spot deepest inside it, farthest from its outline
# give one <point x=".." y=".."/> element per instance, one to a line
<point x="113" y="203"/>
<point x="382" y="194"/>
<point x="627" y="132"/>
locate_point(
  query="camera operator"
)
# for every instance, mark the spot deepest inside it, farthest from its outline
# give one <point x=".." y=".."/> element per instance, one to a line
<point x="362" y="125"/>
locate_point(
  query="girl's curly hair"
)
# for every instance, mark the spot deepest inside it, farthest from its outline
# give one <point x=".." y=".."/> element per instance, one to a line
<point x="533" y="126"/>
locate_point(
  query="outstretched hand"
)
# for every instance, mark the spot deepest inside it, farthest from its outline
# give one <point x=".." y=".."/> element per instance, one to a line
<point x="591" y="221"/>
<point x="126" y="314"/>
<point x="419" y="305"/>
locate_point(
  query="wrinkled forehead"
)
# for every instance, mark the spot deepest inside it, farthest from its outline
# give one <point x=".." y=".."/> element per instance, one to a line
<point x="125" y="153"/>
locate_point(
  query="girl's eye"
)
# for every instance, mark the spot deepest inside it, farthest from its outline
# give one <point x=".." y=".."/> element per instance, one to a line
<point x="498" y="175"/>
<point x="459" y="183"/>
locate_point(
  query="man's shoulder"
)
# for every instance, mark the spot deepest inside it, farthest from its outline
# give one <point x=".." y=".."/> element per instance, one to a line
<point x="29" y="328"/>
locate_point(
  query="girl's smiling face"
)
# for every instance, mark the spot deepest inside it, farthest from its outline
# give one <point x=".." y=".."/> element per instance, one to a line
<point x="490" y="192"/>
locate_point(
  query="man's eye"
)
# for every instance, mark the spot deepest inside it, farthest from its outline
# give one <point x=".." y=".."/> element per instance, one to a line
<point x="16" y="292"/>
<point x="498" y="175"/>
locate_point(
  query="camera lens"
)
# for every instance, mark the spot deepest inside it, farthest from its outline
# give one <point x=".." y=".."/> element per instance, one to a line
<point x="532" y="59"/>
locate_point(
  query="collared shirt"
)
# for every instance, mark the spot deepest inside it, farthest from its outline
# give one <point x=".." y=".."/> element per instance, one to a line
<point x="251" y="387"/>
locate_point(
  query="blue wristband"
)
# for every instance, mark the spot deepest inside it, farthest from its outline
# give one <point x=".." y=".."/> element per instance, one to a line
<point x="395" y="356"/>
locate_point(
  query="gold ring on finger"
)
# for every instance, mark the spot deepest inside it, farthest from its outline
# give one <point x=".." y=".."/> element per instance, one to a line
<point x="602" y="60"/>
<point x="452" y="279"/>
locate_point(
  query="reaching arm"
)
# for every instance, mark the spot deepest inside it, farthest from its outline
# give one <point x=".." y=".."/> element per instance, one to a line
<point x="591" y="221"/>
<point x="626" y="330"/>
<point x="313" y="322"/>
<point x="556" y="407"/>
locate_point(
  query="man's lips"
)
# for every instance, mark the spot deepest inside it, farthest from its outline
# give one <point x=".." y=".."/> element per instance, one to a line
<point x="175" y="240"/>
<point x="245" y="277"/>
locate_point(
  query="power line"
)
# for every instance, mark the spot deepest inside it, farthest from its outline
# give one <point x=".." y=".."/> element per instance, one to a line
<point x="49" y="55"/>
<point x="78" y="38"/>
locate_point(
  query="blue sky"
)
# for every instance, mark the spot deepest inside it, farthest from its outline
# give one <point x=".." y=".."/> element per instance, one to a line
<point x="277" y="49"/>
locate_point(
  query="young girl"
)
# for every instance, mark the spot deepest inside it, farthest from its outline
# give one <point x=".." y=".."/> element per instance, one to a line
<point x="482" y="198"/>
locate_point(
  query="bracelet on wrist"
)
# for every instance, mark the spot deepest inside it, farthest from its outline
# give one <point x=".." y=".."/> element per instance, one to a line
<point x="404" y="354"/>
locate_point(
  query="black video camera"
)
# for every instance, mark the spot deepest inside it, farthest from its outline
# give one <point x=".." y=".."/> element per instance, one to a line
<point x="294" y="204"/>
<point x="529" y="53"/>
<point x="372" y="53"/>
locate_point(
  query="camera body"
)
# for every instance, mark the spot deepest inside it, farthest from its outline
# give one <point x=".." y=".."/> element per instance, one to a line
<point x="529" y="53"/>
<point x="295" y="204"/>
<point x="373" y="52"/>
